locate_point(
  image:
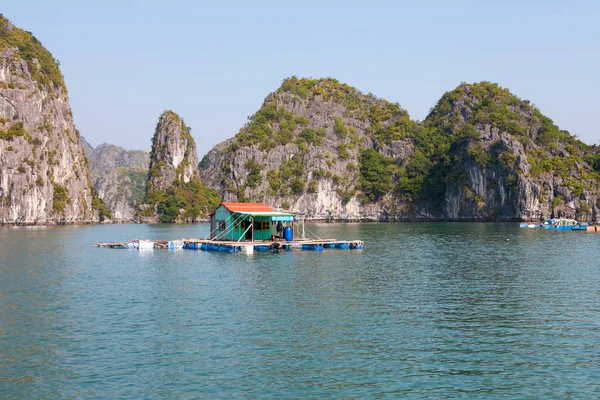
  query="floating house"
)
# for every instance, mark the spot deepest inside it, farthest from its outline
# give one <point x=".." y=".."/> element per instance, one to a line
<point x="244" y="228"/>
<point x="251" y="222"/>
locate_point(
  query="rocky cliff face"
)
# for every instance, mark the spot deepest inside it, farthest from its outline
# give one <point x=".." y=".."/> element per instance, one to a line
<point x="43" y="171"/>
<point x="301" y="151"/>
<point x="509" y="161"/>
<point x="174" y="192"/>
<point x="119" y="178"/>
<point x="174" y="155"/>
<point x="327" y="151"/>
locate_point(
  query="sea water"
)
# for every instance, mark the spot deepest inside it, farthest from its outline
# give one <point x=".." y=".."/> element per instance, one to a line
<point x="425" y="310"/>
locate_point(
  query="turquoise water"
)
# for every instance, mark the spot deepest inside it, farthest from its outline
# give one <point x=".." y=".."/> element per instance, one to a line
<point x="426" y="310"/>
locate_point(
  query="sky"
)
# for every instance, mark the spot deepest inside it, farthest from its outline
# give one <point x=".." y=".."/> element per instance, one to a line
<point x="213" y="63"/>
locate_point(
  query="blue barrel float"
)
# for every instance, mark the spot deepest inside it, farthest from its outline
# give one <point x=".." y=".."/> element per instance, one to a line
<point x="287" y="234"/>
<point x="315" y="247"/>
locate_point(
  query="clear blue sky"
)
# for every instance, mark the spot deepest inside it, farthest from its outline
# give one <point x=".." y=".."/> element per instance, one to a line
<point x="214" y="62"/>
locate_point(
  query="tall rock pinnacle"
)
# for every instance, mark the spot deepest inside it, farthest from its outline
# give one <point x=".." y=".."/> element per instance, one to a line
<point x="43" y="169"/>
<point x="174" y="155"/>
<point x="174" y="192"/>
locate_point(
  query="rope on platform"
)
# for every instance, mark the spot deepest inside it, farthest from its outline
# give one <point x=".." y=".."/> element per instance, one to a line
<point x="315" y="237"/>
<point x="225" y="231"/>
<point x="312" y="233"/>
<point x="232" y="227"/>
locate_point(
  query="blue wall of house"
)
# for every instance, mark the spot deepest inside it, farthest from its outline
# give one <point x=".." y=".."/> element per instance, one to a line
<point x="222" y="217"/>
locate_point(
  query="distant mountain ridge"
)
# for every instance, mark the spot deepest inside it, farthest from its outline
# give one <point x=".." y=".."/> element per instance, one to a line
<point x="118" y="177"/>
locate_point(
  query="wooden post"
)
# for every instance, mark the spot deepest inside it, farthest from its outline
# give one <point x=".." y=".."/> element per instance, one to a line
<point x="229" y="225"/>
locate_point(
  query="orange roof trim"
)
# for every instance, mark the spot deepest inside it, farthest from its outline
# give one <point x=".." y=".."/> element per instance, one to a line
<point x="247" y="207"/>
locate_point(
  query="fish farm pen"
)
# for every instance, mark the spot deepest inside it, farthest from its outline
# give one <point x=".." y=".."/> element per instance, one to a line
<point x="246" y="228"/>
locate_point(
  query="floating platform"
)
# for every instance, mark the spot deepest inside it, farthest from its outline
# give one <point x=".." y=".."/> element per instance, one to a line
<point x="580" y="227"/>
<point x="236" y="247"/>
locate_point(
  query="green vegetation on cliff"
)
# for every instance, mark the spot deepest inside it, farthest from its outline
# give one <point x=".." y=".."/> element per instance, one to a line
<point x="14" y="131"/>
<point x="272" y="124"/>
<point x="451" y="135"/>
<point x="31" y="48"/>
<point x="194" y="197"/>
<point x="376" y="172"/>
<point x="99" y="205"/>
<point x="60" y="198"/>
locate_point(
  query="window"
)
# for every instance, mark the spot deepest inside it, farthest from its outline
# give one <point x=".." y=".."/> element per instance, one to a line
<point x="262" y="225"/>
<point x="221" y="225"/>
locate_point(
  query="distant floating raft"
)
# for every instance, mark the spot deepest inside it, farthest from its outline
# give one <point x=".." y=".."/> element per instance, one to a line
<point x="563" y="224"/>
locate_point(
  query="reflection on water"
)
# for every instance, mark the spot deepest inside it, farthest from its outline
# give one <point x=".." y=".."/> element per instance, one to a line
<point x="426" y="310"/>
